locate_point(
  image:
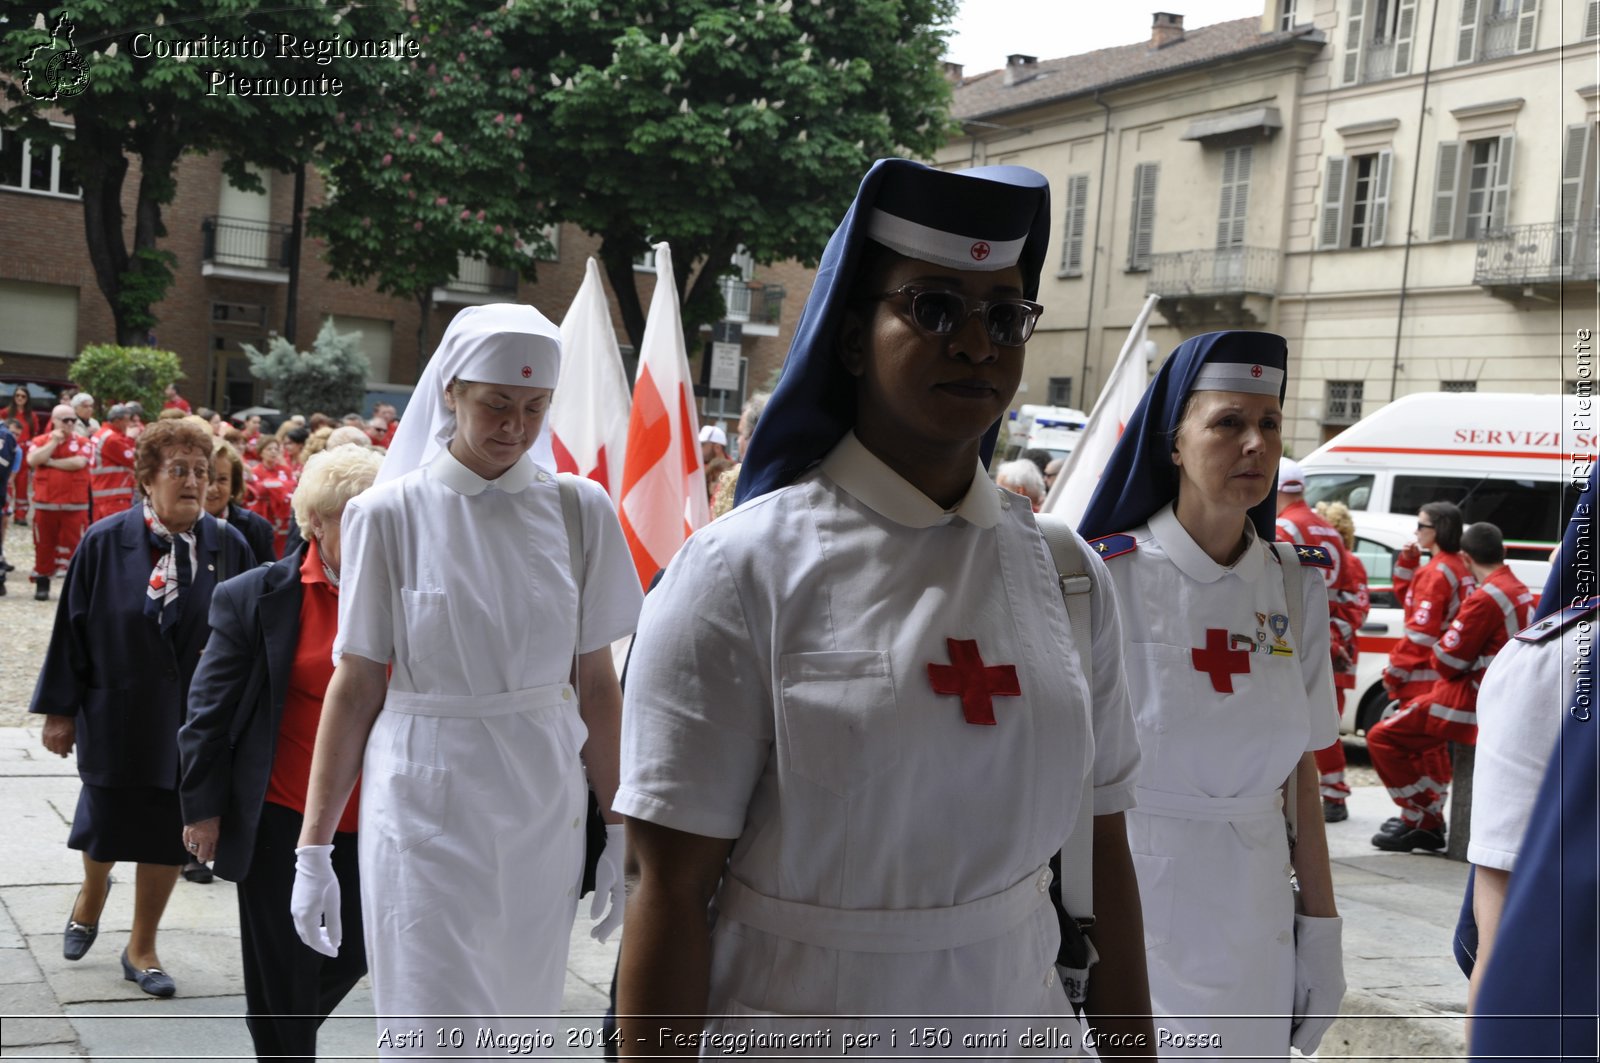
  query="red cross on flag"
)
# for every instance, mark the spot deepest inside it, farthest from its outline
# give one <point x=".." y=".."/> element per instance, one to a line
<point x="589" y="416"/>
<point x="663" y="481"/>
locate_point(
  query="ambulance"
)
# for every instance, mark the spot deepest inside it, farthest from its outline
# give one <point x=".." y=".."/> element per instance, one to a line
<point x="1503" y="458"/>
<point x="1053" y="428"/>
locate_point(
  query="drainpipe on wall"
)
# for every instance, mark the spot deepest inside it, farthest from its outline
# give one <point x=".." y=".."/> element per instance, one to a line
<point x="1411" y="212"/>
<point x="1094" y="251"/>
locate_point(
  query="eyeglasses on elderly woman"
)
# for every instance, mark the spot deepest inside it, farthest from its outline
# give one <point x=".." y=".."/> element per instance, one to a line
<point x="940" y="311"/>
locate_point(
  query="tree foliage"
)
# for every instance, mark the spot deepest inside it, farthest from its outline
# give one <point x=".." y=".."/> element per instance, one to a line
<point x="330" y="378"/>
<point x="136" y="104"/>
<point x="126" y="374"/>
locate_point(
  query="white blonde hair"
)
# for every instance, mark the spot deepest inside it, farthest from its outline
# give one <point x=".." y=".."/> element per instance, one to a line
<point x="331" y="479"/>
<point x="1022" y="477"/>
<point x="346" y="435"/>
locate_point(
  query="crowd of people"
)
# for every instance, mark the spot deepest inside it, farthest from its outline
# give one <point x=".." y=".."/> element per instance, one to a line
<point x="892" y="742"/>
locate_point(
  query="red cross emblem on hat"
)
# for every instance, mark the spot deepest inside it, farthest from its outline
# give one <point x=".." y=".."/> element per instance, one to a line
<point x="976" y="682"/>
<point x="980" y="251"/>
<point x="1255" y="370"/>
<point x="527" y="371"/>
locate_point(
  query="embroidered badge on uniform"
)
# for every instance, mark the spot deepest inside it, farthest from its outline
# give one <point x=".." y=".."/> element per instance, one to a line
<point x="1315" y="556"/>
<point x="1109" y="546"/>
<point x="1279" y="624"/>
<point x="976" y="682"/>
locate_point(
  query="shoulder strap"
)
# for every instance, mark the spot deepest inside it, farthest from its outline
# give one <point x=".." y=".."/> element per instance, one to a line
<point x="1077" y="858"/>
<point x="572" y="517"/>
<point x="1294" y="591"/>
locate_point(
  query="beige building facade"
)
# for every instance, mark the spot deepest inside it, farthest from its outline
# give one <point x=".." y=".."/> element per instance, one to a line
<point x="1402" y="188"/>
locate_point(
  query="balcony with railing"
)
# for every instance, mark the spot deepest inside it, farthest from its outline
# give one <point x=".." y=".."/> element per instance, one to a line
<point x="243" y="249"/>
<point x="477" y="283"/>
<point x="756" y="306"/>
<point x="1215" y="286"/>
<point x="1497" y="36"/>
<point x="1377" y="60"/>
<point x="1539" y="261"/>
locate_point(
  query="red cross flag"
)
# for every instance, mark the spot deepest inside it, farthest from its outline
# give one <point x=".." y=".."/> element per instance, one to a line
<point x="589" y="415"/>
<point x="663" y="482"/>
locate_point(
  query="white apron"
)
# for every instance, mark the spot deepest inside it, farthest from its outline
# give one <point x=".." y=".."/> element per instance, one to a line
<point x="513" y="810"/>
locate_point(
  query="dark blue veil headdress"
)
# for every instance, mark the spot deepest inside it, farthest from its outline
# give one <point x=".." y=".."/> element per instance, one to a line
<point x="983" y="218"/>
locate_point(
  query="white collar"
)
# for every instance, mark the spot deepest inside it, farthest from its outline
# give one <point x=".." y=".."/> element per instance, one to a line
<point x="878" y="487"/>
<point x="1194" y="562"/>
<point x="449" y="471"/>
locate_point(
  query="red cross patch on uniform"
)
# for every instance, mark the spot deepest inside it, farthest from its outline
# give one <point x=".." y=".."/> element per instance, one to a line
<point x="976" y="682"/>
<point x="1218" y="661"/>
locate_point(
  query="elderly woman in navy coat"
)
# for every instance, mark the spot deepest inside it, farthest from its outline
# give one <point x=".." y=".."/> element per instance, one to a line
<point x="254" y="707"/>
<point x="128" y="634"/>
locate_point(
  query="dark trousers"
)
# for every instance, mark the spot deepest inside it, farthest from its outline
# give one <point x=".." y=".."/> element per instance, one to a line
<point x="290" y="988"/>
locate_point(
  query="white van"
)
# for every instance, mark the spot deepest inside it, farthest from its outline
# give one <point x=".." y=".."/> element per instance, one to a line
<point x="1500" y="457"/>
<point x="1053" y="428"/>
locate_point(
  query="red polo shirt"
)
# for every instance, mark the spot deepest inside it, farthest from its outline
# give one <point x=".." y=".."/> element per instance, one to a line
<point x="308" y="683"/>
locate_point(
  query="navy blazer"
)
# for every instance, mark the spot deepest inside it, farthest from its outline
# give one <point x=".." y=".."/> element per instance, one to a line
<point x="257" y="531"/>
<point x="108" y="664"/>
<point x="227" y="746"/>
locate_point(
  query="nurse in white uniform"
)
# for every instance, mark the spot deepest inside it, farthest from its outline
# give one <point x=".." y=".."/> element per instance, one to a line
<point x="856" y="720"/>
<point x="473" y="751"/>
<point x="1232" y="689"/>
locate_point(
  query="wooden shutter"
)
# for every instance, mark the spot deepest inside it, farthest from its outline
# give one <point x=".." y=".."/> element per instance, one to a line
<point x="1591" y="20"/>
<point x="1143" y="223"/>
<point x="1235" y="202"/>
<point x="1405" y="29"/>
<point x="1446" y="176"/>
<point x="1379" y="215"/>
<point x="1527" y="25"/>
<point x="1353" y="25"/>
<point x="1072" y="230"/>
<point x="1576" y="168"/>
<point x="1500" y="190"/>
<point x="1467" y="36"/>
<point x="1331" y="233"/>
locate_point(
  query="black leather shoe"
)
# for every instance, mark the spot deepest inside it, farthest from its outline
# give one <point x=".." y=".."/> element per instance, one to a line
<point x="1412" y="838"/>
<point x="152" y="980"/>
<point x="1334" y="812"/>
<point x="197" y="872"/>
<point x="41" y="591"/>
<point x="1392" y="825"/>
<point x="79" y="936"/>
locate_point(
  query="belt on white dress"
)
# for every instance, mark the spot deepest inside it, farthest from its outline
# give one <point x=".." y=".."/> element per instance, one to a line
<point x="1197" y="806"/>
<point x="886" y="929"/>
<point x="554" y="696"/>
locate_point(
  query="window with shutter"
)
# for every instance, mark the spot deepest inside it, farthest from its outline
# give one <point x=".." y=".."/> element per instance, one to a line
<point x="1143" y="221"/>
<point x="1235" y="201"/>
<point x="1500" y="189"/>
<point x="1072" y="229"/>
<point x="1576" y="216"/>
<point x="1353" y="33"/>
<point x="1331" y="231"/>
<point x="1467" y="35"/>
<point x="1447" y="175"/>
<point x="1380" y="199"/>
<point x="1591" y="20"/>
<point x="1527" y="25"/>
<point x="1405" y="29"/>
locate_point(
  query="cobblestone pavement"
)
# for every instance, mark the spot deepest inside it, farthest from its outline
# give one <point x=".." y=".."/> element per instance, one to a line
<point x="24" y="629"/>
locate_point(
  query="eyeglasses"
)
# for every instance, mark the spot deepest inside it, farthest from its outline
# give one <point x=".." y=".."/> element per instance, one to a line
<point x="1421" y="526"/>
<point x="940" y="311"/>
<point x="198" y="473"/>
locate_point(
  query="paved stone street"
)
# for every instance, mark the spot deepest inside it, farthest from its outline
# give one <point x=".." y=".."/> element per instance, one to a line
<point x="1405" y="1001"/>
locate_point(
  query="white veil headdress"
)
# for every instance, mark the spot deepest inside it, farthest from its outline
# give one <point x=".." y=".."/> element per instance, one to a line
<point x="502" y="343"/>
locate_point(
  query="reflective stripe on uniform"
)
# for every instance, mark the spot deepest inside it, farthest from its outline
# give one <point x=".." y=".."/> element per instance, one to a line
<point x="60" y="507"/>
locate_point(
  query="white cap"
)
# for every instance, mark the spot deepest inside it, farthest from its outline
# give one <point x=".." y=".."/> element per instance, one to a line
<point x="1291" y="477"/>
<point x="712" y="434"/>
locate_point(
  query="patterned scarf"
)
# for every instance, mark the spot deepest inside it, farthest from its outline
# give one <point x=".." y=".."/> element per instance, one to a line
<point x="173" y="572"/>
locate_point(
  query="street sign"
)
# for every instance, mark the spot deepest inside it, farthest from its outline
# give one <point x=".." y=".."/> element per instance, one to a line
<point x="725" y="367"/>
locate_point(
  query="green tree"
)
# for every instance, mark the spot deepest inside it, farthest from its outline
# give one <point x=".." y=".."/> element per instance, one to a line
<point x="331" y="377"/>
<point x="716" y="124"/>
<point x="126" y="374"/>
<point x="133" y="103"/>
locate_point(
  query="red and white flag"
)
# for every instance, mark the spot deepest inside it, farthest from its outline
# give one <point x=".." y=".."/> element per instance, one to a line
<point x="663" y="481"/>
<point x="589" y="416"/>
<point x="1069" y="495"/>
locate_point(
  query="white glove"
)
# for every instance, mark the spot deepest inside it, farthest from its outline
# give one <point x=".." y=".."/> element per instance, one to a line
<point x="315" y="900"/>
<point x="1318" y="979"/>
<point x="608" y="886"/>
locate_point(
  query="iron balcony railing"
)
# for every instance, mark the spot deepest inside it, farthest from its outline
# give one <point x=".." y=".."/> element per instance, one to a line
<point x="1549" y="253"/>
<point x="1498" y="37"/>
<point x="242" y="242"/>
<point x="752" y="302"/>
<point x="1214" y="272"/>
<point x="1377" y="60"/>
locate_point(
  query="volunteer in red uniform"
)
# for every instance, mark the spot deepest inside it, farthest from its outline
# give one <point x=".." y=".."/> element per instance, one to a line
<point x="1431" y="597"/>
<point x="59" y="460"/>
<point x="271" y="486"/>
<point x="175" y="401"/>
<point x="1348" y="606"/>
<point x="33" y="423"/>
<point x="1403" y="745"/>
<point x="111" y="482"/>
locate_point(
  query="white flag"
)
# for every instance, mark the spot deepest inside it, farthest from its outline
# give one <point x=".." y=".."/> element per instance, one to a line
<point x="589" y="417"/>
<point x="1069" y="495"/>
<point x="663" y="480"/>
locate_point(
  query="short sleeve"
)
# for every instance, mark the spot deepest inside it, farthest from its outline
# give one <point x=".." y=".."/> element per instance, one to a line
<point x="366" y="600"/>
<point x="611" y="594"/>
<point x="697" y="717"/>
<point x="1316" y="661"/>
<point x="1116" y="741"/>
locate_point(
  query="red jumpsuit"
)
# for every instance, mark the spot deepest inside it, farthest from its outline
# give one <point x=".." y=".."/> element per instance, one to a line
<point x="111" y="480"/>
<point x="60" y="506"/>
<point x="1403" y="745"/>
<point x="1299" y="523"/>
<point x="267" y="494"/>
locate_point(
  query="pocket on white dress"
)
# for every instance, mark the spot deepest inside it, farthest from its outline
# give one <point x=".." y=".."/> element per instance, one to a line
<point x="427" y="623"/>
<point x="840" y="718"/>
<point x="406" y="802"/>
